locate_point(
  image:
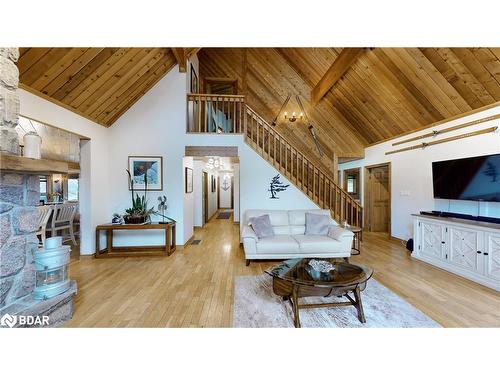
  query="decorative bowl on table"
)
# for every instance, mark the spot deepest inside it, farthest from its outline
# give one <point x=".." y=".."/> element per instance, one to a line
<point x="320" y="269"/>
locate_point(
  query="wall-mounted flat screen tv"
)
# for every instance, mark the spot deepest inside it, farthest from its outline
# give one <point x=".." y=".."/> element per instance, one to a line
<point x="475" y="179"/>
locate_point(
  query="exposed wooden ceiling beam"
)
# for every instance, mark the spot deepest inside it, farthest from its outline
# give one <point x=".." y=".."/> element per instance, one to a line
<point x="180" y="56"/>
<point x="341" y="64"/>
<point x="191" y="51"/>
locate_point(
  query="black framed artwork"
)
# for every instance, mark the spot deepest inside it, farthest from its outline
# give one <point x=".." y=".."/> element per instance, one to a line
<point x="213" y="184"/>
<point x="188" y="175"/>
<point x="194" y="80"/>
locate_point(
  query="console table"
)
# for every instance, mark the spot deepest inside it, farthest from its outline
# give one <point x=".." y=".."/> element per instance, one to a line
<point x="467" y="248"/>
<point x="119" y="251"/>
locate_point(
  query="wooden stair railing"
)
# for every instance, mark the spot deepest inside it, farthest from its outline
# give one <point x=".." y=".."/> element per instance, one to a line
<point x="212" y="113"/>
<point x="228" y="114"/>
<point x="299" y="170"/>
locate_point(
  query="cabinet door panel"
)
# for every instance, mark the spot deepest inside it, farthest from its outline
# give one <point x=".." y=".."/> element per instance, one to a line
<point x="493" y="258"/>
<point x="463" y="247"/>
<point x="432" y="238"/>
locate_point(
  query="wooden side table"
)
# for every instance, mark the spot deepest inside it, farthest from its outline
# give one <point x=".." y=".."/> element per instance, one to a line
<point x="358" y="237"/>
<point x="120" y="251"/>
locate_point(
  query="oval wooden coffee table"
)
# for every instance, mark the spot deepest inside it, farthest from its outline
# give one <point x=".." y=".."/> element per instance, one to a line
<point x="295" y="278"/>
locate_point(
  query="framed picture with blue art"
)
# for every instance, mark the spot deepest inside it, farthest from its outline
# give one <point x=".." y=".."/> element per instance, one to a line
<point x="152" y="165"/>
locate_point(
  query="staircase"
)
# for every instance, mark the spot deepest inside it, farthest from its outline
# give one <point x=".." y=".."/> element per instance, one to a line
<point x="271" y="146"/>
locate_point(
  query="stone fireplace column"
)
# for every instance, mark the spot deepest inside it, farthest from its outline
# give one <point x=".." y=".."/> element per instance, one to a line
<point x="9" y="100"/>
<point x="19" y="195"/>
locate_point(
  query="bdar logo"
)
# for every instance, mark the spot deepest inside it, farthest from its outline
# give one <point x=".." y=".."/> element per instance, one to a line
<point x="8" y="320"/>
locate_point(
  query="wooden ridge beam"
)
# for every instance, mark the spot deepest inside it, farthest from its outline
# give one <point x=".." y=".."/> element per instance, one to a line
<point x="339" y="67"/>
<point x="181" y="58"/>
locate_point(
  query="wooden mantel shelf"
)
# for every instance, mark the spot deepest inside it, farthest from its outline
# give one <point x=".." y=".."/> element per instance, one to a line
<point x="17" y="163"/>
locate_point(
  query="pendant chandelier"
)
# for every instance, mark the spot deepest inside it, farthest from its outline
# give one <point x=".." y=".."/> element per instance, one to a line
<point x="214" y="163"/>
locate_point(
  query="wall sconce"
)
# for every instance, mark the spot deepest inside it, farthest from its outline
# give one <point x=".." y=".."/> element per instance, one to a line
<point x="294" y="117"/>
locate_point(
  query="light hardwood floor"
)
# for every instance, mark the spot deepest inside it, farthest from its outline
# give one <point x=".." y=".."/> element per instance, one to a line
<point x="194" y="286"/>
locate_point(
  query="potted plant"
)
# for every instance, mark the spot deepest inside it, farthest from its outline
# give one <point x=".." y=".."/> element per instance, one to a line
<point x="139" y="213"/>
<point x="162" y="207"/>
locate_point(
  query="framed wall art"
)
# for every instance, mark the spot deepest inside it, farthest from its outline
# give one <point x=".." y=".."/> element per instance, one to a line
<point x="139" y="166"/>
<point x="188" y="180"/>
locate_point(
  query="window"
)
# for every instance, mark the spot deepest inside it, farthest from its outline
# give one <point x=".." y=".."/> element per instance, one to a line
<point x="72" y="189"/>
<point x="43" y="189"/>
<point x="351" y="184"/>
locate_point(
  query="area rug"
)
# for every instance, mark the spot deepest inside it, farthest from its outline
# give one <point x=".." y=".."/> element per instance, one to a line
<point x="255" y="305"/>
<point x="224" y="215"/>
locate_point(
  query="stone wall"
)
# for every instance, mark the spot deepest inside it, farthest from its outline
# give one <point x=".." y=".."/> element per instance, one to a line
<point x="18" y="223"/>
<point x="9" y="100"/>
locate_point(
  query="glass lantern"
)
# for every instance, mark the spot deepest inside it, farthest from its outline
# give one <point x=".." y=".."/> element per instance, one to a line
<point x="51" y="265"/>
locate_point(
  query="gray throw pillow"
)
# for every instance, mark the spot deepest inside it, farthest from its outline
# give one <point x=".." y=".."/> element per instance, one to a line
<point x="317" y="224"/>
<point x="261" y="225"/>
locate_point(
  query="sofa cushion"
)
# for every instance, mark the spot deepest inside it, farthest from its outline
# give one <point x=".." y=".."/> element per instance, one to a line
<point x="277" y="217"/>
<point x="262" y="227"/>
<point x="279" y="244"/>
<point x="310" y="244"/>
<point x="298" y="217"/>
<point x="317" y="224"/>
<point x="281" y="229"/>
<point x="297" y="229"/>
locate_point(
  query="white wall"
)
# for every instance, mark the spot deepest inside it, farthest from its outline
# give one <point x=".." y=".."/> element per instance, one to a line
<point x="95" y="179"/>
<point x="255" y="176"/>
<point x="225" y="195"/>
<point x="236" y="189"/>
<point x="188" y="219"/>
<point x="411" y="172"/>
<point x="212" y="195"/>
<point x="154" y="126"/>
<point x="198" y="193"/>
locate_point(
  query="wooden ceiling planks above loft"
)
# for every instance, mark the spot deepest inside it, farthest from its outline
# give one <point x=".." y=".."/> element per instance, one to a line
<point x="97" y="83"/>
<point x="382" y="93"/>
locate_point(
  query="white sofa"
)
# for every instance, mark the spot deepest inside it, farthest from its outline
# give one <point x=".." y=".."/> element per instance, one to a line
<point x="290" y="240"/>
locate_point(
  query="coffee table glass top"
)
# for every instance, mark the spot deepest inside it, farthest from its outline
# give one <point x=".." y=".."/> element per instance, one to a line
<point x="301" y="272"/>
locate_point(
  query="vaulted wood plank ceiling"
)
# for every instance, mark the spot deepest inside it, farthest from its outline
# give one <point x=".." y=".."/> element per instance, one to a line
<point x="98" y="83"/>
<point x="386" y="92"/>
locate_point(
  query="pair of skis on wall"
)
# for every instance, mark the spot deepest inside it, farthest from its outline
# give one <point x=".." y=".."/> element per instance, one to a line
<point x="449" y="139"/>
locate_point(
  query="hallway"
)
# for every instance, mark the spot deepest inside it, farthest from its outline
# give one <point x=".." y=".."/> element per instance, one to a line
<point x="194" y="286"/>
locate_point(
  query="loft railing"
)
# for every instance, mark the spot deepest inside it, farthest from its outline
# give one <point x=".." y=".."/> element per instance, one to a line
<point x="209" y="113"/>
<point x="228" y="114"/>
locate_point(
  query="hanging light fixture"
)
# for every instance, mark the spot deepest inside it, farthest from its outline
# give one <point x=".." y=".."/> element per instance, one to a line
<point x="215" y="163"/>
<point x="294" y="117"/>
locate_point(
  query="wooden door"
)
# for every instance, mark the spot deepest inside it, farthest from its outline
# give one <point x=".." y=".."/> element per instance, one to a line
<point x="205" y="197"/>
<point x="379" y="198"/>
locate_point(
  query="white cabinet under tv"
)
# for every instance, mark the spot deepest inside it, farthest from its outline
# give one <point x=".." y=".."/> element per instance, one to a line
<point x="464" y="247"/>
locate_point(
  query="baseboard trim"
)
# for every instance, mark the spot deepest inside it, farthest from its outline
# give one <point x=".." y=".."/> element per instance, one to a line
<point x="189" y="240"/>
